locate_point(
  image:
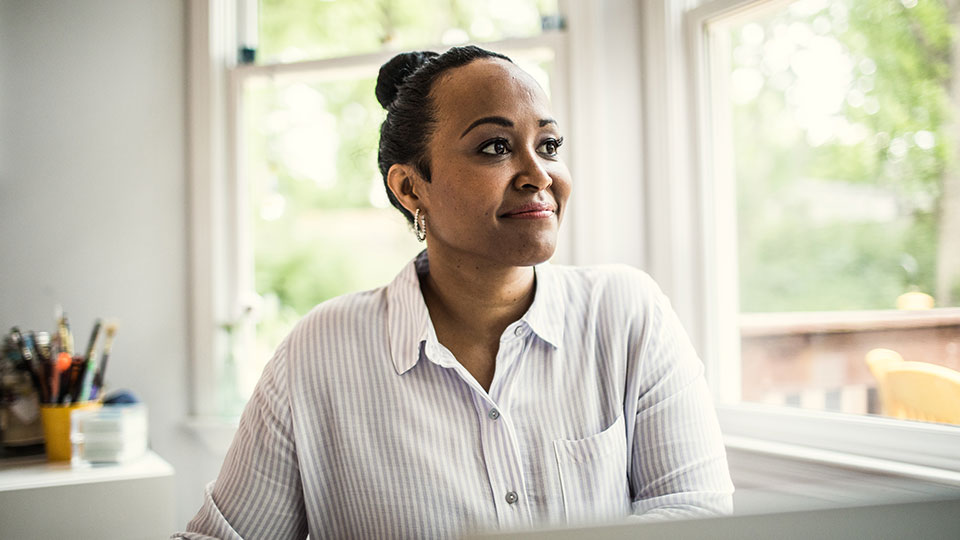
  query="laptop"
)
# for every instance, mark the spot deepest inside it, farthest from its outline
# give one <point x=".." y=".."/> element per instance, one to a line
<point x="938" y="519"/>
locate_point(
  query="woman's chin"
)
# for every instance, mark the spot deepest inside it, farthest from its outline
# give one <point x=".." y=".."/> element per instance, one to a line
<point x="531" y="254"/>
<point x="500" y="251"/>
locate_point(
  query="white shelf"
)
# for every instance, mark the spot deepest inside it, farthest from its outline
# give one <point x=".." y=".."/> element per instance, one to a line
<point x="45" y="500"/>
<point x="37" y="472"/>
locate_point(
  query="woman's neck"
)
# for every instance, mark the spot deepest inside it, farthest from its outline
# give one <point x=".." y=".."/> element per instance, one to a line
<point x="477" y="296"/>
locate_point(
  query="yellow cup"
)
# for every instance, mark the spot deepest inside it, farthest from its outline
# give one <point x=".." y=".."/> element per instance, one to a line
<point x="56" y="428"/>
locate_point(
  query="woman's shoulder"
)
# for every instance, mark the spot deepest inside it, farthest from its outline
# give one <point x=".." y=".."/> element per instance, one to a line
<point x="616" y="290"/>
<point x="343" y="314"/>
<point x="605" y="279"/>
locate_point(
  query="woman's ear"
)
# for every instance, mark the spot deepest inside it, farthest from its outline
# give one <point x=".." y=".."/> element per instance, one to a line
<point x="404" y="181"/>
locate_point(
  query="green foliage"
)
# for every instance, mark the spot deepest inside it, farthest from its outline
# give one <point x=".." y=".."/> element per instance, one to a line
<point x="803" y="247"/>
<point x="305" y="29"/>
<point x="853" y="265"/>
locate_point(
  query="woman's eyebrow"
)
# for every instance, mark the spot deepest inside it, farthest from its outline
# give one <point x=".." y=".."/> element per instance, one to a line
<point x="501" y="121"/>
<point x="498" y="120"/>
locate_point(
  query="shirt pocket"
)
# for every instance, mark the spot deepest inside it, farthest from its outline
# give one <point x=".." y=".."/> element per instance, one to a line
<point x="593" y="475"/>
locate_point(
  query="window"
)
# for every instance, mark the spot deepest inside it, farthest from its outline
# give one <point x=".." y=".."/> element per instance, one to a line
<point x="828" y="135"/>
<point x="308" y="218"/>
<point x="838" y="120"/>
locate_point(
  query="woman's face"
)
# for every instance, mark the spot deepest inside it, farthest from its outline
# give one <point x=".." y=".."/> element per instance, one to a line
<point x="498" y="189"/>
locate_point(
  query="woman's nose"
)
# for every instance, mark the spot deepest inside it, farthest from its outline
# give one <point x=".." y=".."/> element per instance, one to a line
<point x="532" y="175"/>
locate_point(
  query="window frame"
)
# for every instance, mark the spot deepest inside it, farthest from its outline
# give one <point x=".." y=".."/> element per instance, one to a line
<point x="921" y="450"/>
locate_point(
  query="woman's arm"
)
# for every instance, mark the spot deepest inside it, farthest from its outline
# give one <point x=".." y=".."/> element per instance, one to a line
<point x="258" y="493"/>
<point x="678" y="466"/>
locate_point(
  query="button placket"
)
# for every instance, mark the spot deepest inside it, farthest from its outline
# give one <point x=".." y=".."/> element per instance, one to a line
<point x="503" y="462"/>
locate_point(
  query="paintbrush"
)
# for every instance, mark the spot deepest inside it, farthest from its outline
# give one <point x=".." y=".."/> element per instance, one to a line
<point x="60" y="366"/>
<point x="97" y="386"/>
<point x="63" y="329"/>
<point x="91" y="362"/>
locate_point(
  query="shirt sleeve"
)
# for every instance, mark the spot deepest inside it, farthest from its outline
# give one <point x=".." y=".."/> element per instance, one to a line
<point x="678" y="463"/>
<point x="258" y="493"/>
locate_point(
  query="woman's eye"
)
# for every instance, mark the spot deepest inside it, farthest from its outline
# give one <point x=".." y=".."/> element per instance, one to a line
<point x="549" y="147"/>
<point x="496" y="147"/>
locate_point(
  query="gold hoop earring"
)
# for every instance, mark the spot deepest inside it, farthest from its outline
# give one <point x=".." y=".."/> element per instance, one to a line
<point x="420" y="228"/>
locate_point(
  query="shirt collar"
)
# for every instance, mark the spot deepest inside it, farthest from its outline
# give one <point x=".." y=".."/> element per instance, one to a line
<point x="410" y="330"/>
<point x="546" y="314"/>
<point x="408" y="322"/>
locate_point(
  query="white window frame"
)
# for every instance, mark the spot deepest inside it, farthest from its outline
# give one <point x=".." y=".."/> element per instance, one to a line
<point x="926" y="451"/>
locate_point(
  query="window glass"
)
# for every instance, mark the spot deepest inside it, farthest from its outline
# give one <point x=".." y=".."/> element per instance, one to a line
<point x="321" y="224"/>
<point x="294" y="30"/>
<point x="843" y="126"/>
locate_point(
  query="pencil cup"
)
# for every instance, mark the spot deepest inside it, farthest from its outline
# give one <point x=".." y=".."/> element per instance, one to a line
<point x="56" y="428"/>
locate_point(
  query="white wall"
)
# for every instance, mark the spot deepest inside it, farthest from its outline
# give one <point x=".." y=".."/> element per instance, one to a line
<point x="93" y="195"/>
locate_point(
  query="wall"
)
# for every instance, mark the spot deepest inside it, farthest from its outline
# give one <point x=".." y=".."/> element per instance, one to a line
<point x="92" y="195"/>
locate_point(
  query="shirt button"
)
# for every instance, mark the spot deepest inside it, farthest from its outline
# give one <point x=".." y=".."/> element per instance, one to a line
<point x="518" y="330"/>
<point x="511" y="497"/>
<point x="493" y="414"/>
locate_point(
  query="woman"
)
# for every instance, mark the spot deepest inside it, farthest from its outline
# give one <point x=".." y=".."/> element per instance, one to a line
<point x="482" y="388"/>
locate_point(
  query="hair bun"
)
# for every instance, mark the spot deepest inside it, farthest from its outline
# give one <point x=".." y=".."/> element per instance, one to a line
<point x="394" y="72"/>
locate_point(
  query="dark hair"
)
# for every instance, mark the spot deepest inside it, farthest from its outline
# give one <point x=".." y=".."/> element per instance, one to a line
<point x="403" y="88"/>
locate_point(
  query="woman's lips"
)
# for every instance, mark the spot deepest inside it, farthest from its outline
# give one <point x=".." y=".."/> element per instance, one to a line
<point x="539" y="214"/>
<point x="531" y="211"/>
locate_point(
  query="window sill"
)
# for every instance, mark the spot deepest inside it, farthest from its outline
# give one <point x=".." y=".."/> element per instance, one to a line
<point x="866" y="442"/>
<point x="842" y="460"/>
<point x="214" y="432"/>
<point x="822" y="322"/>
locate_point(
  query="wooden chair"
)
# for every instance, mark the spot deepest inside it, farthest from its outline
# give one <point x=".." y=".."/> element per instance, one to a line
<point x="915" y="390"/>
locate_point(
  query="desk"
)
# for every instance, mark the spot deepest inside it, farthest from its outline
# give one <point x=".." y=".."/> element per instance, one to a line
<point x="54" y="500"/>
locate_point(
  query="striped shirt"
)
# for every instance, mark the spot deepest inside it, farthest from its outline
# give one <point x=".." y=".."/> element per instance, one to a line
<point x="363" y="425"/>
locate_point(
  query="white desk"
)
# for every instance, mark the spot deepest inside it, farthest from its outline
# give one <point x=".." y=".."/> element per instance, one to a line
<point x="54" y="500"/>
